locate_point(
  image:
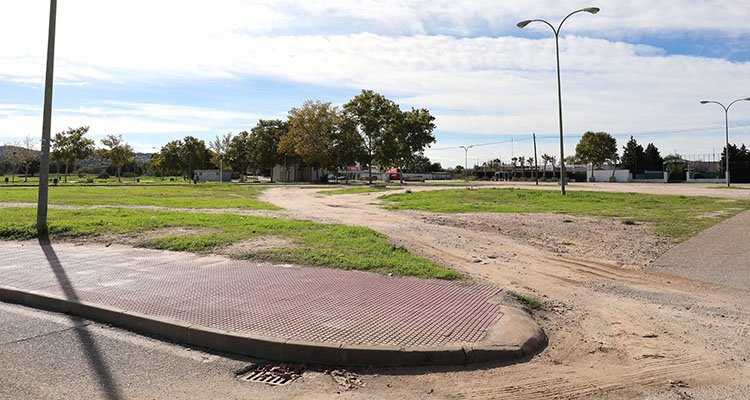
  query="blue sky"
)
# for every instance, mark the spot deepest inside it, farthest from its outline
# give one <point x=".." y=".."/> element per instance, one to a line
<point x="155" y="71"/>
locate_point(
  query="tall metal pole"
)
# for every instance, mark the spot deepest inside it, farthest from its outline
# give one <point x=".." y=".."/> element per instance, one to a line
<point x="536" y="163"/>
<point x="563" y="172"/>
<point x="726" y="133"/>
<point x="726" y="130"/>
<point x="466" y="160"/>
<point x="522" y="24"/>
<point x="41" y="213"/>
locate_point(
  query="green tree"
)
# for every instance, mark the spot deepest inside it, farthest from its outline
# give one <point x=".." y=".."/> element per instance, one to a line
<point x="597" y="148"/>
<point x="264" y="143"/>
<point x="194" y="154"/>
<point x="633" y="157"/>
<point x="739" y="163"/>
<point x="412" y="135"/>
<point x="117" y="152"/>
<point x="676" y="166"/>
<point x="70" y="146"/>
<point x="239" y="153"/>
<point x="169" y="161"/>
<point x="548" y="159"/>
<point x="653" y="160"/>
<point x="27" y="155"/>
<point x="220" y="146"/>
<point x="375" y="119"/>
<point x="314" y="135"/>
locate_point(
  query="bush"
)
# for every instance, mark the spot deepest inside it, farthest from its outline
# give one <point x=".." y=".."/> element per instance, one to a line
<point x="128" y="175"/>
<point x="103" y="175"/>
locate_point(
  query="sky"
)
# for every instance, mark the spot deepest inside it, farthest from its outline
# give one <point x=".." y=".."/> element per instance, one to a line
<point x="155" y="71"/>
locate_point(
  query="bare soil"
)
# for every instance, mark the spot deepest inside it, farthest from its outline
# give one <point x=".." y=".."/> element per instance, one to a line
<point x="617" y="329"/>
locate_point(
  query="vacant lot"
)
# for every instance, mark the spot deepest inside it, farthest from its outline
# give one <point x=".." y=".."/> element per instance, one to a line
<point x="617" y="328"/>
<point x="182" y="196"/>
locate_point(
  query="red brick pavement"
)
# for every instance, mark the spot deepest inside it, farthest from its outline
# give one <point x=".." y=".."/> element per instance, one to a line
<point x="281" y="301"/>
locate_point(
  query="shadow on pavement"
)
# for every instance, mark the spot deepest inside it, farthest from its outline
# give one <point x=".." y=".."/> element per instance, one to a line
<point x="91" y="350"/>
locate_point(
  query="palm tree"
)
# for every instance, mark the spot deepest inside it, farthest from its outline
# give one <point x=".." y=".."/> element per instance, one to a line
<point x="546" y="158"/>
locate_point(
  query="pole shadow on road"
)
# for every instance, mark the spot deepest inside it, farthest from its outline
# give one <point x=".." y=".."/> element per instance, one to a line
<point x="91" y="350"/>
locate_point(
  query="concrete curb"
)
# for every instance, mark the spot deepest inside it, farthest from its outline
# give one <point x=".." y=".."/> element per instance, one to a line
<point x="530" y="341"/>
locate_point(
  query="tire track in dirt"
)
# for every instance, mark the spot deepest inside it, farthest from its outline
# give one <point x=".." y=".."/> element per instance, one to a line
<point x="611" y="329"/>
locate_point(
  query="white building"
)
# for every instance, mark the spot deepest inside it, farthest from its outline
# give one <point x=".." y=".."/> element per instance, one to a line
<point x="211" y="175"/>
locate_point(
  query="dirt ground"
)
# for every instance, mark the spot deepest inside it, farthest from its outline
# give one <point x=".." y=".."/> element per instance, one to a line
<point x="617" y="329"/>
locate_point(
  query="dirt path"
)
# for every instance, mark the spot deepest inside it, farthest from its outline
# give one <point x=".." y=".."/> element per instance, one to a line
<point x="616" y="330"/>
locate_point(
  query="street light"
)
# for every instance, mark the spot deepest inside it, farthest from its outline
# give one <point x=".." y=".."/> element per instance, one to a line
<point x="466" y="160"/>
<point x="41" y="210"/>
<point x="521" y="25"/>
<point x="726" y="128"/>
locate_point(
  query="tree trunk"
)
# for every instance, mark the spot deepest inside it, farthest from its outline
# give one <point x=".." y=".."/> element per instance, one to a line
<point x="66" y="172"/>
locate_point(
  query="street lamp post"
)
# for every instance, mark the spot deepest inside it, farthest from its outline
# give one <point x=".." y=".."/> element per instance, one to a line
<point x="41" y="211"/>
<point x="522" y="24"/>
<point x="726" y="128"/>
<point x="466" y="160"/>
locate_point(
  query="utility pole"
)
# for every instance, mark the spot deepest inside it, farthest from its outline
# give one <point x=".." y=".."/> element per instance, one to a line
<point x="41" y="211"/>
<point x="536" y="163"/>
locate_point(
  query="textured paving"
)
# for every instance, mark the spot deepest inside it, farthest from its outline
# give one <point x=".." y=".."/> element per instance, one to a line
<point x="281" y="301"/>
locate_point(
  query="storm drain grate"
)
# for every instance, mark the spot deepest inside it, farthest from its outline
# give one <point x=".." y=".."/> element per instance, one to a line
<point x="271" y="374"/>
<point x="268" y="378"/>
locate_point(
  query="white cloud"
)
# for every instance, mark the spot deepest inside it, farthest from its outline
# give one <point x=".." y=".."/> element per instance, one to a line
<point x="491" y="86"/>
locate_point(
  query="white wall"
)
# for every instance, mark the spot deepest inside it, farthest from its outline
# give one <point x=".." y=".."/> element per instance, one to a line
<point x="603" y="175"/>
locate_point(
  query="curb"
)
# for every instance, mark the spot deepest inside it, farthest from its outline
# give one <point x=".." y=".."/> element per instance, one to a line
<point x="279" y="349"/>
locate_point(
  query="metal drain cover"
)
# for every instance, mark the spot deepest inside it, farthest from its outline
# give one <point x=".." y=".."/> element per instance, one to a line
<point x="269" y="378"/>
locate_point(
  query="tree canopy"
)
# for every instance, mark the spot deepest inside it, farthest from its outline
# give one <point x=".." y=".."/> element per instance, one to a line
<point x="653" y="160"/>
<point x="596" y="148"/>
<point x="633" y="157"/>
<point x="70" y="146"/>
<point x="117" y="152"/>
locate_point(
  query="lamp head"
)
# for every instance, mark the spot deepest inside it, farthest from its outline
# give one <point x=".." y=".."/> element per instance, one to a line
<point x="592" y="10"/>
<point x="705" y="101"/>
<point x="523" y="24"/>
<point x="746" y="99"/>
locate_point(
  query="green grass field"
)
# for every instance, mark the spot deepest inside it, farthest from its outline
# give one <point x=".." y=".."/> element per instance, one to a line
<point x="677" y="217"/>
<point x="314" y="244"/>
<point x="212" y="195"/>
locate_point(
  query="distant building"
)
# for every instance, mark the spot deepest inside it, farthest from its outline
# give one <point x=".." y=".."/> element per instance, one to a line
<point x="211" y="175"/>
<point x="297" y="173"/>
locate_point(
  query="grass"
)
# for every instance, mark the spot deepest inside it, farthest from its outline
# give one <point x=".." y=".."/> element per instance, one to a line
<point x="358" y="189"/>
<point x="193" y="196"/>
<point x="676" y="217"/>
<point x="315" y="244"/>
<point x="75" y="180"/>
<point x="531" y="302"/>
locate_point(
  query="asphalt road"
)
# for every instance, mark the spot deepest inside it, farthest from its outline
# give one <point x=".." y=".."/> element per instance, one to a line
<point x="54" y="356"/>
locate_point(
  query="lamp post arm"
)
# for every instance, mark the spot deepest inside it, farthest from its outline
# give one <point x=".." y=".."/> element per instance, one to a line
<point x="564" y="19"/>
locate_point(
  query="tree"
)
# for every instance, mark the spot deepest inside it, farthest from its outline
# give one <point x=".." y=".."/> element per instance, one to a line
<point x="264" y="143"/>
<point x="169" y="161"/>
<point x="315" y="136"/>
<point x="375" y="119"/>
<point x="676" y="166"/>
<point x="653" y="160"/>
<point x="412" y="135"/>
<point x="194" y="154"/>
<point x="220" y="146"/>
<point x="27" y="155"/>
<point x="117" y="152"/>
<point x="633" y="157"/>
<point x="739" y="163"/>
<point x="239" y="153"/>
<point x="596" y="148"/>
<point x="546" y="158"/>
<point x="70" y="146"/>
